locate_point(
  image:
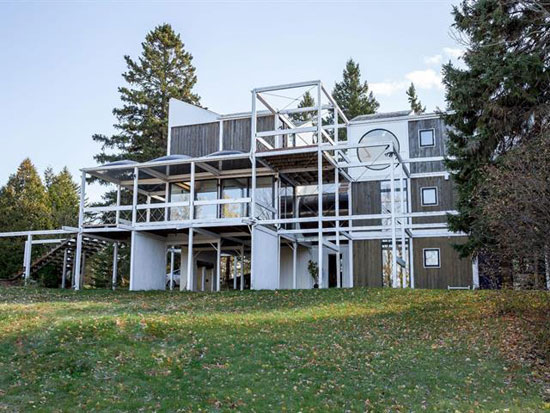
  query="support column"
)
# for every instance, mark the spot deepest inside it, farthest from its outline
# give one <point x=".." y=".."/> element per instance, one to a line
<point x="203" y="279"/>
<point x="337" y="201"/>
<point x="64" y="273"/>
<point x="402" y="199"/>
<point x="350" y="241"/>
<point x="115" y="265"/>
<point x="294" y="263"/>
<point x="320" y="186"/>
<point x="475" y="274"/>
<point x="234" y="272"/>
<point x="253" y="158"/>
<point x="117" y="214"/>
<point x="172" y="268"/>
<point x="148" y="213"/>
<point x="77" y="262"/>
<point x="393" y="231"/>
<point x="135" y="196"/>
<point x="28" y="258"/>
<point x="218" y="264"/>
<point x="190" y="262"/>
<point x="242" y="268"/>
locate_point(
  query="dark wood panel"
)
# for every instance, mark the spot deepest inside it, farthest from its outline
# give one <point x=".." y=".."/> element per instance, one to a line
<point x="366" y="199"/>
<point x="440" y="148"/>
<point x="454" y="271"/>
<point x="367" y="263"/>
<point x="446" y="194"/>
<point x="237" y="132"/>
<point x="195" y="140"/>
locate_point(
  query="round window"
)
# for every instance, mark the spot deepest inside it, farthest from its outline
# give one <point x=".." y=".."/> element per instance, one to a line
<point x="378" y="141"/>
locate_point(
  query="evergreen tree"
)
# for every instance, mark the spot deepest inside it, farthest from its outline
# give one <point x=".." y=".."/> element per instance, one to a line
<point x="64" y="198"/>
<point x="354" y="97"/>
<point x="24" y="205"/>
<point x="306" y="102"/>
<point x="499" y="100"/>
<point x="163" y="71"/>
<point x="416" y="105"/>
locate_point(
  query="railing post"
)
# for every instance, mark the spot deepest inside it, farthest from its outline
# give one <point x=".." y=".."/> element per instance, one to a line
<point x="135" y="196"/>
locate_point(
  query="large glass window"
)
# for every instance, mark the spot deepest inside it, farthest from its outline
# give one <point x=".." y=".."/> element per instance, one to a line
<point x="179" y="192"/>
<point x="234" y="189"/>
<point x="264" y="197"/>
<point x="387" y="261"/>
<point x="385" y="196"/>
<point x="206" y="190"/>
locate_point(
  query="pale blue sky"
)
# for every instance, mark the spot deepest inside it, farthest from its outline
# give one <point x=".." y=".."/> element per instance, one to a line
<point x="61" y="62"/>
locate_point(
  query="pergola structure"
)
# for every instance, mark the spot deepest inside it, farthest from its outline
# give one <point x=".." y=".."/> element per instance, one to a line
<point x="307" y="147"/>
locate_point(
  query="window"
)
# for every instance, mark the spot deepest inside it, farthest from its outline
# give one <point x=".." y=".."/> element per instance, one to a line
<point x="385" y="197"/>
<point x="429" y="196"/>
<point x="427" y="138"/>
<point x="431" y="258"/>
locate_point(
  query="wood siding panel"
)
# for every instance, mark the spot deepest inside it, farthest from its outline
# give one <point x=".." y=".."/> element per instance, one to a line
<point x="237" y="132"/>
<point x="195" y="140"/>
<point x="454" y="271"/>
<point x="440" y="148"/>
<point x="446" y="194"/>
<point x="367" y="263"/>
<point x="366" y="200"/>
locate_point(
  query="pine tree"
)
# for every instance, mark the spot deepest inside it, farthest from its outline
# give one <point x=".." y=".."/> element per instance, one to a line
<point x="499" y="100"/>
<point x="24" y="205"/>
<point x="63" y="194"/>
<point x="354" y="97"/>
<point x="416" y="105"/>
<point x="306" y="102"/>
<point x="163" y="71"/>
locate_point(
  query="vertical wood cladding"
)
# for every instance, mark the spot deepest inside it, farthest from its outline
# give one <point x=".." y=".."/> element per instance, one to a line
<point x="366" y="200"/>
<point x="195" y="140"/>
<point x="439" y="149"/>
<point x="454" y="271"/>
<point x="203" y="139"/>
<point x="446" y="196"/>
<point x="367" y="263"/>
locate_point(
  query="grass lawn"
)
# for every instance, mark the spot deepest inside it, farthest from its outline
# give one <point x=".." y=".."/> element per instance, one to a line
<point x="330" y="350"/>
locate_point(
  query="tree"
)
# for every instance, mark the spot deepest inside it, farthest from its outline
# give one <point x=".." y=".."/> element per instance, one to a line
<point x="514" y="198"/>
<point x="498" y="101"/>
<point x="416" y="105"/>
<point x="306" y="102"/>
<point x="163" y="71"/>
<point x="354" y="97"/>
<point x="63" y="194"/>
<point x="24" y="205"/>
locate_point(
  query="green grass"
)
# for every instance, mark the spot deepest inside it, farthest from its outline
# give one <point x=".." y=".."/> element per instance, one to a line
<point x="330" y="350"/>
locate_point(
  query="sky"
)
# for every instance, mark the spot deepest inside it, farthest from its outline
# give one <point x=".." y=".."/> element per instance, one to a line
<point x="61" y="62"/>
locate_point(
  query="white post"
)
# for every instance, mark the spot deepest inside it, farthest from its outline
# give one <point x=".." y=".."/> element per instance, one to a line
<point x="167" y="199"/>
<point x="410" y="255"/>
<point x="192" y="192"/>
<point x="190" y="263"/>
<point x="135" y="196"/>
<point x="242" y="268"/>
<point x="234" y="272"/>
<point x="117" y="214"/>
<point x="28" y="258"/>
<point x="203" y="279"/>
<point x="350" y="241"/>
<point x="220" y="136"/>
<point x="294" y="259"/>
<point x="115" y="265"/>
<point x="218" y="264"/>
<point x="172" y="269"/>
<point x="64" y="273"/>
<point x="253" y="157"/>
<point x="320" y="187"/>
<point x="77" y="261"/>
<point x="148" y="213"/>
<point x="393" y="231"/>
<point x="402" y="190"/>
<point x="475" y="273"/>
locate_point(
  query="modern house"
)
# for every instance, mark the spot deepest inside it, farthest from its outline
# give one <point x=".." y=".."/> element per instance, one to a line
<point x="277" y="194"/>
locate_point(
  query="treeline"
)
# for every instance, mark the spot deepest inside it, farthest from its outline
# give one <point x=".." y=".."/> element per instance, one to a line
<point x="499" y="119"/>
<point x="31" y="202"/>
